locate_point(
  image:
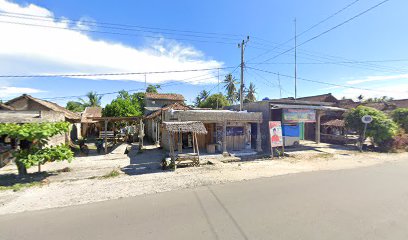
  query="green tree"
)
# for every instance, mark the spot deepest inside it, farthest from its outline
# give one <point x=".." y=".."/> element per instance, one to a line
<point x="383" y="99"/>
<point x="36" y="137"/>
<point x="400" y="116"/>
<point x="75" y="106"/>
<point x="211" y="101"/>
<point x="125" y="105"/>
<point x="152" y="88"/>
<point x="381" y="129"/>
<point x="230" y="88"/>
<point x="250" y="95"/>
<point x="92" y="100"/>
<point x="201" y="97"/>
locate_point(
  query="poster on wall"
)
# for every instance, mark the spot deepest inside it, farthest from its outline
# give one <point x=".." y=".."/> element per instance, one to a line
<point x="275" y="130"/>
<point x="299" y="115"/>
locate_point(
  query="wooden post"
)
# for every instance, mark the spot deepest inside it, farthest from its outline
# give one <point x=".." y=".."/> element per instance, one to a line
<point x="192" y="135"/>
<point x="198" y="150"/>
<point x="180" y="142"/>
<point x="258" y="137"/>
<point x="106" y="136"/>
<point x="224" y="140"/>
<point x="317" y="129"/>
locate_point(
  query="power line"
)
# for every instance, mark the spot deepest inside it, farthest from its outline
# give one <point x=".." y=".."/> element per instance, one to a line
<point x="116" y="92"/>
<point x="320" y="63"/>
<point x="124" y="25"/>
<point x="315" y="81"/>
<point x="110" y="74"/>
<point x="267" y="82"/>
<point x="108" y="25"/>
<point x="116" y="33"/>
<point x="330" y="29"/>
<point x="310" y="28"/>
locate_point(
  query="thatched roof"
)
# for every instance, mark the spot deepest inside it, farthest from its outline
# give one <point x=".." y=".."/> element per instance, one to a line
<point x="334" y="123"/>
<point x="185" y="127"/>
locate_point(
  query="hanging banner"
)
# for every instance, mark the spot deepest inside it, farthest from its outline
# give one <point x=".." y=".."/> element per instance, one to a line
<point x="275" y="133"/>
<point x="299" y="115"/>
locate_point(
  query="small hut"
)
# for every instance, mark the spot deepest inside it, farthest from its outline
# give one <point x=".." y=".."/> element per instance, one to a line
<point x="193" y="127"/>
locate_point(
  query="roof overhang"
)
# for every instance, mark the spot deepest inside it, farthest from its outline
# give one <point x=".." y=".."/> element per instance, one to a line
<point x="324" y="108"/>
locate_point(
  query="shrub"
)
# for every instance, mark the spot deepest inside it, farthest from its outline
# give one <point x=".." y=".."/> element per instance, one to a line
<point x="400" y="116"/>
<point x="381" y="129"/>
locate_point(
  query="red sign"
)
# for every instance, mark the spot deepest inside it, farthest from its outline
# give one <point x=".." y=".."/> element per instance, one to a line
<point x="275" y="131"/>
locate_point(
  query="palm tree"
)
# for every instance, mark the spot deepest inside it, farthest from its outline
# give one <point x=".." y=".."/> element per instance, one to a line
<point x="93" y="100"/>
<point x="251" y="93"/>
<point x="360" y="98"/>
<point x="201" y="97"/>
<point x="230" y="82"/>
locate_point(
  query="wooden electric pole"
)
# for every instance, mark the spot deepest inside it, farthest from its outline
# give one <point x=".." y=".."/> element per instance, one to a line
<point x="241" y="88"/>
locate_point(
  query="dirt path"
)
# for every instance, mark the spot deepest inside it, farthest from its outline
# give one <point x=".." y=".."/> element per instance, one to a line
<point x="59" y="193"/>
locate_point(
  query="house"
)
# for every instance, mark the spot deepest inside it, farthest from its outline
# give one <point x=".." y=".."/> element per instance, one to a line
<point x="400" y="103"/>
<point x="227" y="130"/>
<point x="89" y="127"/>
<point x="328" y="97"/>
<point x="30" y="116"/>
<point x="4" y="107"/>
<point x="155" y="101"/>
<point x="154" y="120"/>
<point x="301" y="120"/>
<point x="28" y="103"/>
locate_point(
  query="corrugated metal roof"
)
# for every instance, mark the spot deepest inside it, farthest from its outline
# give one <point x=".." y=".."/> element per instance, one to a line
<point x="326" y="108"/>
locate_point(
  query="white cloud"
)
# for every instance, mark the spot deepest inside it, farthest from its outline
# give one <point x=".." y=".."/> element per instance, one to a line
<point x="6" y="92"/>
<point x="378" y="78"/>
<point x="397" y="91"/>
<point x="39" y="50"/>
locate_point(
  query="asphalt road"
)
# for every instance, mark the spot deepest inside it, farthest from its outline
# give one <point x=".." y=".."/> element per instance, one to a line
<point x="365" y="203"/>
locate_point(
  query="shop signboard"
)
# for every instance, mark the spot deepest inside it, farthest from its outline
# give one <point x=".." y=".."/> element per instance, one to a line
<point x="299" y="115"/>
<point x="275" y="130"/>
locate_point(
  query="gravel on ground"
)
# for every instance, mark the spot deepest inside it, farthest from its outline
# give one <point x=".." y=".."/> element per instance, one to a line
<point x="84" y="184"/>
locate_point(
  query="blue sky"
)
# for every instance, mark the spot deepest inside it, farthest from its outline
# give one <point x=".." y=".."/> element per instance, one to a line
<point x="378" y="35"/>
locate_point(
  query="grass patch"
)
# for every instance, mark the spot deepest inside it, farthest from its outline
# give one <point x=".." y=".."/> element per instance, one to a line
<point x="20" y="186"/>
<point x="111" y="174"/>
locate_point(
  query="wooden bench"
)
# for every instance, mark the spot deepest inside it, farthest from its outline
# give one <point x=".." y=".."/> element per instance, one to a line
<point x="188" y="158"/>
<point x="109" y="134"/>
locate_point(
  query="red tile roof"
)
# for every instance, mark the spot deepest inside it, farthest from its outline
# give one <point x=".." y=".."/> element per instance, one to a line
<point x="91" y="112"/>
<point x="165" y="96"/>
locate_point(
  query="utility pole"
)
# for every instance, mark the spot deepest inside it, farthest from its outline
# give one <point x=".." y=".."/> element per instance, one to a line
<point x="218" y="85"/>
<point x="280" y="87"/>
<point x="241" y="89"/>
<point x="145" y="81"/>
<point x="295" y="61"/>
